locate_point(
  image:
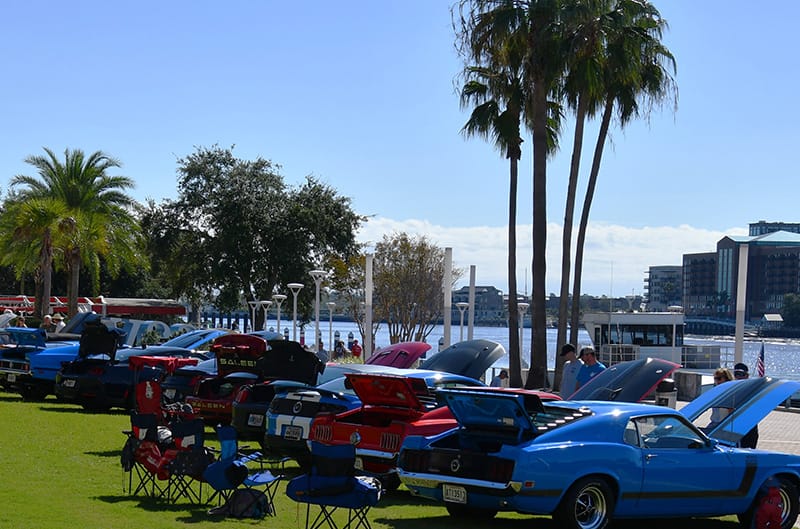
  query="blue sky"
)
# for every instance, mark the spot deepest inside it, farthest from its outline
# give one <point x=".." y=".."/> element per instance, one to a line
<point x="362" y="95"/>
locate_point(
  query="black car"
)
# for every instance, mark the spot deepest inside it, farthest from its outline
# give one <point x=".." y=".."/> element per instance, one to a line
<point x="101" y="377"/>
<point x="184" y="381"/>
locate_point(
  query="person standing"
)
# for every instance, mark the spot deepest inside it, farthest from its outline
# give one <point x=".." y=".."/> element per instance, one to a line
<point x="569" y="373"/>
<point x="59" y="324"/>
<point x="750" y="439"/>
<point x="591" y="366"/>
<point x="497" y="382"/>
<point x="356" y="350"/>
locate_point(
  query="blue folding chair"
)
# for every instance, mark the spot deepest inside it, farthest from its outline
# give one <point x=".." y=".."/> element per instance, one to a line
<point x="331" y="484"/>
<point x="230" y="472"/>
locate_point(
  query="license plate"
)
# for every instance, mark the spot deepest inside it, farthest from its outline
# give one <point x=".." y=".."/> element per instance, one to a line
<point x="293" y="433"/>
<point x="11" y="377"/>
<point x="359" y="464"/>
<point x="255" y="420"/>
<point x="454" y="494"/>
<point x="69" y="383"/>
<point x="169" y="393"/>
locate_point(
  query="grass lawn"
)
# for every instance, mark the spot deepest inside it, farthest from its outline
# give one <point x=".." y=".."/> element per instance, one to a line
<point x="61" y="470"/>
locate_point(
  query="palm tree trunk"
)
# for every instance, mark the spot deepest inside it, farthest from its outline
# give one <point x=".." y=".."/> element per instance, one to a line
<point x="566" y="238"/>
<point x="46" y="264"/>
<point x="587" y="204"/>
<point x="537" y="376"/>
<point x="74" y="281"/>
<point x="514" y="352"/>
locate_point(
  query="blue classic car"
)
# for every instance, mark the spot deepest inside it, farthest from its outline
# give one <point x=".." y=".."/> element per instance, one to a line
<point x="588" y="462"/>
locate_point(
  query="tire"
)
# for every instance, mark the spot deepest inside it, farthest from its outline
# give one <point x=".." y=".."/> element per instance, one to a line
<point x="465" y="512"/>
<point x="791" y="506"/>
<point x="33" y="393"/>
<point x="588" y="504"/>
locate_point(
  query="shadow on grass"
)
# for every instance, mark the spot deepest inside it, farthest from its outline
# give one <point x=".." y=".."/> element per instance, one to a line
<point x="188" y="513"/>
<point x="10" y="398"/>
<point x="76" y="409"/>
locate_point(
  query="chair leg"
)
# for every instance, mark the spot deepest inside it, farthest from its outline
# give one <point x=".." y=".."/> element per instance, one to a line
<point x="359" y="516"/>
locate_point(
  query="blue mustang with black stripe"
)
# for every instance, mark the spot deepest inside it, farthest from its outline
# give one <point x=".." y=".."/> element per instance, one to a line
<point x="588" y="462"/>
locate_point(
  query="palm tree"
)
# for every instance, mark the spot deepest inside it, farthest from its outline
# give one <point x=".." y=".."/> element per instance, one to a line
<point x="487" y="25"/>
<point x="635" y="66"/>
<point x="27" y="230"/>
<point x="96" y="220"/>
<point x="499" y="99"/>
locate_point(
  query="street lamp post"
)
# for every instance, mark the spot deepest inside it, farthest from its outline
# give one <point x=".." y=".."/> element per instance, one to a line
<point x="265" y="304"/>
<point x="278" y="299"/>
<point x="462" y="306"/>
<point x="295" y="288"/>
<point x="318" y="276"/>
<point x="522" y="308"/>
<point x="331" y="306"/>
<point x="253" y="306"/>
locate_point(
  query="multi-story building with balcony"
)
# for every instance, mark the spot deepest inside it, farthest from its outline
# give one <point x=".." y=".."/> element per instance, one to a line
<point x="663" y="287"/>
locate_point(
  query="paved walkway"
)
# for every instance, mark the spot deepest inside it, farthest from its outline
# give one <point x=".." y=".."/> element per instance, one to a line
<point x="780" y="431"/>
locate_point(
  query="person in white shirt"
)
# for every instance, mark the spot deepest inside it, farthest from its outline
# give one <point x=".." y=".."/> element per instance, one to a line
<point x="569" y="373"/>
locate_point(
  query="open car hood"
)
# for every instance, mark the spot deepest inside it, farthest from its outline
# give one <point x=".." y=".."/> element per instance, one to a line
<point x="751" y="400"/>
<point x="402" y="355"/>
<point x="627" y="381"/>
<point x="500" y="412"/>
<point x="288" y="360"/>
<point x="25" y="336"/>
<point x="388" y="390"/>
<point x="470" y="358"/>
<point x="97" y="339"/>
<point x="238" y="352"/>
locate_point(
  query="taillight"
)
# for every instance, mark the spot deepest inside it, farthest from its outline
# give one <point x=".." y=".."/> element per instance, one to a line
<point x="390" y="442"/>
<point x="322" y="432"/>
<point x="414" y="460"/>
<point x="243" y="395"/>
<point x="501" y="470"/>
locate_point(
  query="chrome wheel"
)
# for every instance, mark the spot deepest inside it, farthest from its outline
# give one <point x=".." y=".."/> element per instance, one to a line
<point x="588" y="504"/>
<point x="591" y="509"/>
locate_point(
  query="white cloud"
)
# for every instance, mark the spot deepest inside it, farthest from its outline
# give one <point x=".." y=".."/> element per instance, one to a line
<point x="616" y="258"/>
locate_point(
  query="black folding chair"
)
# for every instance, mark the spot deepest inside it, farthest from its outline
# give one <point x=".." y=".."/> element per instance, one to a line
<point x="190" y="460"/>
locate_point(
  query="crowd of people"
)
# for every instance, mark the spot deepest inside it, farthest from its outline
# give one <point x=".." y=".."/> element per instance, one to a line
<point x="50" y="323"/>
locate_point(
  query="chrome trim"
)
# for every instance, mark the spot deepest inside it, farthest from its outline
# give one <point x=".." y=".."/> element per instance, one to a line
<point x="416" y="479"/>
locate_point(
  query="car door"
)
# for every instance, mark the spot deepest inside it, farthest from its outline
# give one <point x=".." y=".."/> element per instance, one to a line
<point x="684" y="473"/>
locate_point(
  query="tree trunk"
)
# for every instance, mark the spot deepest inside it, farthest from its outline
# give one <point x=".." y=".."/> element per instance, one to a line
<point x="566" y="238"/>
<point x="74" y="281"/>
<point x="587" y="204"/>
<point x="537" y="376"/>
<point x="514" y="351"/>
<point x="46" y="265"/>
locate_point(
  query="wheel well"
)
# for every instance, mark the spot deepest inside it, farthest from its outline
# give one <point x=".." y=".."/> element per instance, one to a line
<point x="610" y="480"/>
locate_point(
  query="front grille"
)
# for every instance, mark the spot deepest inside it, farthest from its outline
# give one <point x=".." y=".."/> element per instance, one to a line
<point x="470" y="465"/>
<point x="18" y="366"/>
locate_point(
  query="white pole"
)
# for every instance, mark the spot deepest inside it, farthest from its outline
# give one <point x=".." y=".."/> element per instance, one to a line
<point x="741" y="301"/>
<point x="317" y="275"/>
<point x="471" y="316"/>
<point x="462" y="306"/>
<point x="265" y="305"/>
<point x="368" y="346"/>
<point x="522" y="308"/>
<point x="447" y="293"/>
<point x="331" y="305"/>
<point x="295" y="288"/>
<point x="278" y="299"/>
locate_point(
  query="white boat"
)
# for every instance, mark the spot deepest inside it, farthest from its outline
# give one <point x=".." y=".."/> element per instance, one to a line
<point x="622" y="336"/>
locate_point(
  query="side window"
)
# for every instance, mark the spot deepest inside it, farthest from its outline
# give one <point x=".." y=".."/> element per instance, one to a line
<point x="631" y="436"/>
<point x="666" y="431"/>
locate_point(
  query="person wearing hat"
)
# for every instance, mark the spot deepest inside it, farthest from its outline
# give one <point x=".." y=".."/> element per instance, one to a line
<point x="591" y="366"/>
<point x="750" y="439"/>
<point x="355" y="350"/>
<point x="47" y="324"/>
<point x="58" y="320"/>
<point x="569" y="373"/>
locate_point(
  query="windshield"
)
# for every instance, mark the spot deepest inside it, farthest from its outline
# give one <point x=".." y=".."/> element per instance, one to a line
<point x="188" y="340"/>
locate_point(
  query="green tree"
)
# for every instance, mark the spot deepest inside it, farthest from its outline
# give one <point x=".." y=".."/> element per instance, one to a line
<point x="91" y="211"/>
<point x="791" y="310"/>
<point x="408" y="272"/>
<point x="247" y="233"/>
<point x="635" y="78"/>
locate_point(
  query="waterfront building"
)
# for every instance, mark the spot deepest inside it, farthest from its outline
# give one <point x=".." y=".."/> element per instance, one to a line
<point x="490" y="308"/>
<point x="662" y="287"/>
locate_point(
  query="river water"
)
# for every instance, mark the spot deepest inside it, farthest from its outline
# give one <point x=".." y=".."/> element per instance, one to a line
<point x="781" y="356"/>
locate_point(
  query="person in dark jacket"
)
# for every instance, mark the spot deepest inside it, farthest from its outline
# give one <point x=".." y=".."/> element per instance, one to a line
<point x="750" y="439"/>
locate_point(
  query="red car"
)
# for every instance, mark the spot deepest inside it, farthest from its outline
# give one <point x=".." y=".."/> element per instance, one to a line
<point x="392" y="407"/>
<point x="246" y="359"/>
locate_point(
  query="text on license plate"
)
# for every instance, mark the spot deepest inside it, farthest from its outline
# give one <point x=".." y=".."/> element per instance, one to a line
<point x="69" y="383"/>
<point x="255" y="420"/>
<point x="454" y="494"/>
<point x="293" y="433"/>
<point x="11" y="377"/>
